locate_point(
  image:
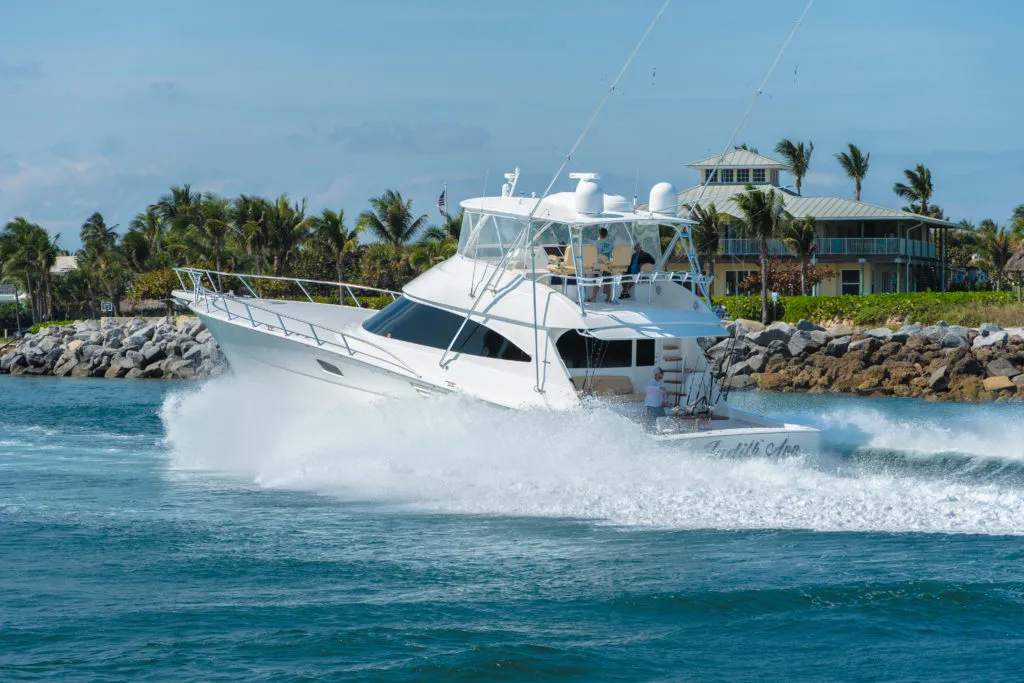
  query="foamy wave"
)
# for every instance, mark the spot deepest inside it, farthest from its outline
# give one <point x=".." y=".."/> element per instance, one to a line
<point x="460" y="456"/>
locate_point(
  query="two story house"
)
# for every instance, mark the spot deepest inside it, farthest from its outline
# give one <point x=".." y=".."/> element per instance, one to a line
<point x="871" y="248"/>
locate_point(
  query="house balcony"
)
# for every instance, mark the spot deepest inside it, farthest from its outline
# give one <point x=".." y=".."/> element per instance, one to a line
<point x="827" y="246"/>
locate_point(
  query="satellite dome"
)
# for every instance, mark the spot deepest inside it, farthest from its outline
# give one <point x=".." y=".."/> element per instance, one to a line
<point x="664" y="199"/>
<point x="589" y="197"/>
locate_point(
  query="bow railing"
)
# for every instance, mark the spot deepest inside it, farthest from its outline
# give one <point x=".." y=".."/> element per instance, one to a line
<point x="263" y="318"/>
<point x="215" y="278"/>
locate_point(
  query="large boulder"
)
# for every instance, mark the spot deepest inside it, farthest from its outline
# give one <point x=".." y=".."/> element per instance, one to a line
<point x="998" y="383"/>
<point x="153" y="353"/>
<point x="807" y="341"/>
<point x="986" y="339"/>
<point x="803" y="325"/>
<point x="939" y="380"/>
<point x="774" y="332"/>
<point x="882" y="333"/>
<point x="1001" y="367"/>
<point x="988" y="328"/>
<point x="838" y="346"/>
<point x="778" y="347"/>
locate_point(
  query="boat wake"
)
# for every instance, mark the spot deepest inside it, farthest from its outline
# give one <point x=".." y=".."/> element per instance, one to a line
<point x="882" y="473"/>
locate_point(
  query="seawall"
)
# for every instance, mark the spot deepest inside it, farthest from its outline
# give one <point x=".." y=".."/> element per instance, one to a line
<point x="935" y="362"/>
<point x="167" y="348"/>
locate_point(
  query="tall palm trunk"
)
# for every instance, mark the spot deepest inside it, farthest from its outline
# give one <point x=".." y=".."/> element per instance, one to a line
<point x="49" y="296"/>
<point x="803" y="276"/>
<point x="32" y="296"/>
<point x="856" y="189"/>
<point x="765" y="315"/>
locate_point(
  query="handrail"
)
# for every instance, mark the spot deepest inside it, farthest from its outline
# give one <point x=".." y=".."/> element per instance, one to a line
<point x="214" y="296"/>
<point x="348" y="287"/>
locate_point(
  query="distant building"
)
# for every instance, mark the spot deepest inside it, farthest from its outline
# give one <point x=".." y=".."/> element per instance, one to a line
<point x="64" y="264"/>
<point x="872" y="248"/>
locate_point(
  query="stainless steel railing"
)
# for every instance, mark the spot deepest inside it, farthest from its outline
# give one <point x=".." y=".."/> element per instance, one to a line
<point x="261" y="317"/>
<point x="197" y="275"/>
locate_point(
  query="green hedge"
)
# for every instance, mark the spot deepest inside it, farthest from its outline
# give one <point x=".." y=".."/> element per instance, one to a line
<point x="926" y="307"/>
<point x="60" y="323"/>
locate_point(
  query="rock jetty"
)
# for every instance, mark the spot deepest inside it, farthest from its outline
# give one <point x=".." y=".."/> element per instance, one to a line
<point x="935" y="362"/>
<point x="169" y="348"/>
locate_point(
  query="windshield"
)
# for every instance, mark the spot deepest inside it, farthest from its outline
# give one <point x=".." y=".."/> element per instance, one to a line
<point x="491" y="238"/>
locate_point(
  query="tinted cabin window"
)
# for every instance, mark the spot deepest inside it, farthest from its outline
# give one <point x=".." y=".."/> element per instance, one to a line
<point x="578" y="351"/>
<point x="644" y="352"/>
<point x="428" y="326"/>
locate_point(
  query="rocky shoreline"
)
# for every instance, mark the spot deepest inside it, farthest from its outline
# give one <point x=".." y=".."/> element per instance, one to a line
<point x="936" y="362"/>
<point x="169" y="348"/>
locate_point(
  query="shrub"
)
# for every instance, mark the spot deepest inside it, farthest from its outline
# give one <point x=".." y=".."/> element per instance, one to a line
<point x="925" y="307"/>
<point x="59" y="323"/>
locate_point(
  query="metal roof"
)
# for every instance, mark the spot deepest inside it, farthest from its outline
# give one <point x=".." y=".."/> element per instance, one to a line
<point x="822" y="208"/>
<point x="739" y="158"/>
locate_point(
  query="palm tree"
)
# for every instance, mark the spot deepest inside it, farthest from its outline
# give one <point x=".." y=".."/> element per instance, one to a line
<point x="429" y="253"/>
<point x="151" y="225"/>
<point x="391" y="218"/>
<point x="249" y="217"/>
<point x="96" y="236"/>
<point x="918" y="189"/>
<point x="27" y="253"/>
<point x="855" y="164"/>
<point x="799" y="236"/>
<point x="179" y="207"/>
<point x="706" y="234"/>
<point x="743" y="147"/>
<point x="210" y="228"/>
<point x="1017" y="220"/>
<point x="798" y="157"/>
<point x="996" y="247"/>
<point x="287" y="229"/>
<point x="331" y="235"/>
<point x="764" y="214"/>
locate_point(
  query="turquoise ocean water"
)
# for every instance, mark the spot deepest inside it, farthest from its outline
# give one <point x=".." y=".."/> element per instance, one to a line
<point x="158" y="531"/>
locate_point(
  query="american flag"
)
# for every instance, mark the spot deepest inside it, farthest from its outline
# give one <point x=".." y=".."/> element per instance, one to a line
<point x="441" y="202"/>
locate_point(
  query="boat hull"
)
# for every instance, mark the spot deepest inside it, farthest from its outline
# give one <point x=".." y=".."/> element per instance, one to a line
<point x="255" y="354"/>
<point x="785" y="440"/>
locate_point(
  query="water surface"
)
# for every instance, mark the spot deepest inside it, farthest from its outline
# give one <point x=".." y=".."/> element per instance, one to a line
<point x="160" y="531"/>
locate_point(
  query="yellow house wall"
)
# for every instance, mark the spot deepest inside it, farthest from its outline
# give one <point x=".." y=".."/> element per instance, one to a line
<point x="829" y="288"/>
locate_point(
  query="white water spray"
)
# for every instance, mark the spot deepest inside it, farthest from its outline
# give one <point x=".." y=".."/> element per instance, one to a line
<point x="455" y="455"/>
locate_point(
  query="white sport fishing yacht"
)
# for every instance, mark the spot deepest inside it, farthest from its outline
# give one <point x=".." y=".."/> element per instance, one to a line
<point x="527" y="314"/>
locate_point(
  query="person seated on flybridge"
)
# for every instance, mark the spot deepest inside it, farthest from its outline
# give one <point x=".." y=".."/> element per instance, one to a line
<point x="605" y="248"/>
<point x="654" y="401"/>
<point x="639" y="260"/>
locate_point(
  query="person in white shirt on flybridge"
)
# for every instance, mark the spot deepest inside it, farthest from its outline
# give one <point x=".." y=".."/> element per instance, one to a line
<point x="654" y="402"/>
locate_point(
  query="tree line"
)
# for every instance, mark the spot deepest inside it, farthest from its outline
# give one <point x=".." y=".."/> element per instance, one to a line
<point x="266" y="236"/>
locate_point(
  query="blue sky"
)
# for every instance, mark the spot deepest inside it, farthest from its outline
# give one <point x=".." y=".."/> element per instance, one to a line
<point x="107" y="104"/>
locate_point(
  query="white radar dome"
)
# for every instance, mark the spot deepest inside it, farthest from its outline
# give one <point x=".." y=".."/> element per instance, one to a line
<point x="663" y="199"/>
<point x="589" y="197"/>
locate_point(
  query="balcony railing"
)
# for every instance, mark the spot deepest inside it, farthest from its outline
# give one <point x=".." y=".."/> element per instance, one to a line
<point x="828" y="246"/>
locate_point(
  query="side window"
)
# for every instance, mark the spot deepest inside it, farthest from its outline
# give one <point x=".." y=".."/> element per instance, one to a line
<point x="428" y="326"/>
<point x="578" y="351"/>
<point x="644" y="353"/>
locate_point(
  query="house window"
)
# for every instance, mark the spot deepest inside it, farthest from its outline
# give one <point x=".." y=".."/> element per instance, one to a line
<point x="733" y="280"/>
<point x="726" y="175"/>
<point x="743" y="175"/>
<point x="851" y="282"/>
<point x="758" y="175"/>
<point x="710" y="176"/>
<point x="415" y="323"/>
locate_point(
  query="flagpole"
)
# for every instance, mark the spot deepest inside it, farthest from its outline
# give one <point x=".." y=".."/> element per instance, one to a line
<point x="445" y="200"/>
